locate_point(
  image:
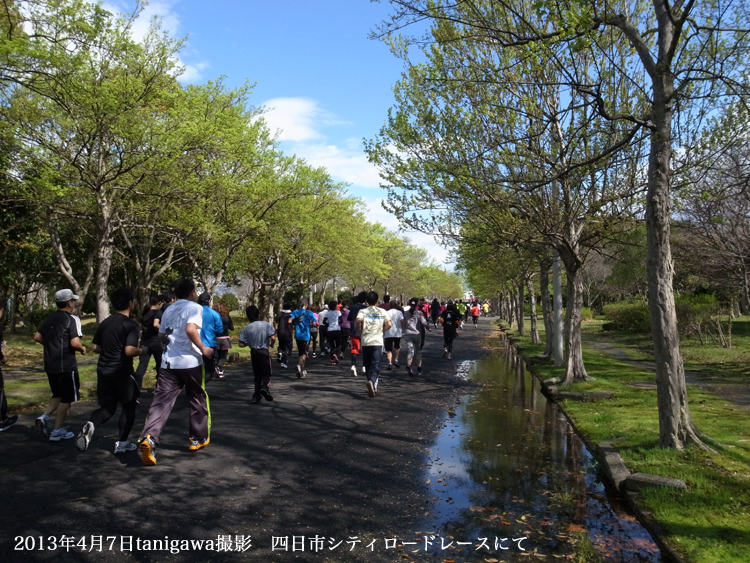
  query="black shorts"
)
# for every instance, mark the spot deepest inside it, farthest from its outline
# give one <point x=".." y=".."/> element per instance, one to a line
<point x="117" y="388"/>
<point x="65" y="386"/>
<point x="302" y="347"/>
<point x="392" y="343"/>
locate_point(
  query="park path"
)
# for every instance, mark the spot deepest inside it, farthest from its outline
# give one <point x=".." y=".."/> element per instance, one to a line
<point x="322" y="458"/>
<point x="736" y="393"/>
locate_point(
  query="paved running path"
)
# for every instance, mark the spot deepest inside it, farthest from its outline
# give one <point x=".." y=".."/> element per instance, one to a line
<point x="322" y="458"/>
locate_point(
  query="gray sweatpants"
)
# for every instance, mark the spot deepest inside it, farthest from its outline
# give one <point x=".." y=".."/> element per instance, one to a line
<point x="171" y="382"/>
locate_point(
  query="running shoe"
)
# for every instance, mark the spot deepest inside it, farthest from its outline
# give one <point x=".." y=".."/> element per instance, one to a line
<point x="450" y="356"/>
<point x="256" y="399"/>
<point x="335" y="359"/>
<point x="314" y="355"/>
<point x="354" y="371"/>
<point x="332" y="363"/>
<point x="304" y="373"/>
<point x="299" y="371"/>
<point x="266" y="394"/>
<point x="409" y="370"/>
<point x="148" y="451"/>
<point x="390" y="367"/>
<point x="61" y="434"/>
<point x="8" y="422"/>
<point x="84" y="436"/>
<point x="283" y="365"/>
<point x="419" y="370"/>
<point x="41" y="426"/>
<point x="396" y="364"/>
<point x="126" y="446"/>
<point x="370" y="389"/>
<point x="219" y="372"/>
<point x="364" y="369"/>
<point x="196" y="444"/>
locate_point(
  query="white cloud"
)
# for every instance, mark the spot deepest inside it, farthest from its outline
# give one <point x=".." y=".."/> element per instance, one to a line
<point x="299" y="123"/>
<point x="295" y="119"/>
<point x="191" y="73"/>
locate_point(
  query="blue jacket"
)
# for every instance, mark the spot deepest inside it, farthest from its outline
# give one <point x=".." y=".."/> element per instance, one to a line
<point x="212" y="326"/>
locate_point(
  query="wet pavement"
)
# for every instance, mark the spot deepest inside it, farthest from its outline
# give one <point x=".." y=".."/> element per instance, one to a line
<point x="508" y="474"/>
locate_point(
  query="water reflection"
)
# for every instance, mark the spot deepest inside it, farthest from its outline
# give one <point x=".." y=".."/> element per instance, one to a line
<point x="508" y="465"/>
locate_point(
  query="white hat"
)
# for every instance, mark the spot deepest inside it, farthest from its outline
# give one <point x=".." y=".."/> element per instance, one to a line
<point x="65" y="295"/>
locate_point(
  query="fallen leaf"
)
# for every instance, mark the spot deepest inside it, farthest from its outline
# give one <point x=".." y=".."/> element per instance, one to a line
<point x="576" y="528"/>
<point x="481" y="509"/>
<point x="428" y="482"/>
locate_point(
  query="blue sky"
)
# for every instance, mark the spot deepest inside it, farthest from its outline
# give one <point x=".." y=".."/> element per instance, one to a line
<point x="326" y="85"/>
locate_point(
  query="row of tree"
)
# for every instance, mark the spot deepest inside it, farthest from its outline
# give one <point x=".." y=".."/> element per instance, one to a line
<point x="534" y="132"/>
<point x="115" y="173"/>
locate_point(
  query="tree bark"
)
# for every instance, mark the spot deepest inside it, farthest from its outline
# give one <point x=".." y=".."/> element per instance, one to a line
<point x="532" y="300"/>
<point x="575" y="370"/>
<point x="547" y="313"/>
<point x="676" y="429"/>
<point x="519" y="308"/>
<point x="557" y="334"/>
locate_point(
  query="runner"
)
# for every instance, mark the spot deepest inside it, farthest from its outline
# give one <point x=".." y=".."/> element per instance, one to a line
<point x="435" y="312"/>
<point x="285" y="334"/>
<point x="301" y="319"/>
<point x="60" y="334"/>
<point x="359" y="304"/>
<point x="486" y="308"/>
<point x="346" y="327"/>
<point x="168" y="297"/>
<point x="372" y="322"/>
<point x="461" y="308"/>
<point x="116" y="342"/>
<point x="451" y="320"/>
<point x="333" y="327"/>
<point x="475" y="314"/>
<point x="181" y="367"/>
<point x="323" y="330"/>
<point x="212" y="327"/>
<point x="386" y="304"/>
<point x="392" y="337"/>
<point x="414" y="319"/>
<point x="223" y="340"/>
<point x="150" y="321"/>
<point x="5" y="420"/>
<point x="259" y="335"/>
<point x="314" y="329"/>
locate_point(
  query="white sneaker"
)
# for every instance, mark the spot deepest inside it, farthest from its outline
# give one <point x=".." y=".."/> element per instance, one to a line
<point x="283" y="365"/>
<point x="354" y="371"/>
<point x="84" y="436"/>
<point x="304" y="373"/>
<point x="299" y="371"/>
<point x="126" y="446"/>
<point x="364" y="370"/>
<point x="60" y="434"/>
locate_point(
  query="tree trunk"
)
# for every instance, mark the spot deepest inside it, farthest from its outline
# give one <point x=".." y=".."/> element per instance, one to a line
<point x="547" y="314"/>
<point x="520" y="306"/>
<point x="676" y="429"/>
<point x="532" y="301"/>
<point x="102" y="279"/>
<point x="575" y="370"/>
<point x="557" y="329"/>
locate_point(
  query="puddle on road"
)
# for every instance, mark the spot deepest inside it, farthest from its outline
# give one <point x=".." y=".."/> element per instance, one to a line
<point x="508" y="465"/>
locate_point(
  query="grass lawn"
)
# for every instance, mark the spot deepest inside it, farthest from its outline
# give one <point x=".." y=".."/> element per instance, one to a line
<point x="710" y="522"/>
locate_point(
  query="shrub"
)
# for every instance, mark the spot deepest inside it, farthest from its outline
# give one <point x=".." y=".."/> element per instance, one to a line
<point x="587" y="314"/>
<point x="34" y="316"/>
<point x="698" y="315"/>
<point x="628" y="316"/>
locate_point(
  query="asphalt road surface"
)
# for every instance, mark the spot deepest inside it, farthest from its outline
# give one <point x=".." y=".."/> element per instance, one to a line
<point x="322" y="465"/>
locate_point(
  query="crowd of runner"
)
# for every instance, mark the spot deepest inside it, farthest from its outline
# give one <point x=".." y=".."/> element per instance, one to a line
<point x="189" y="341"/>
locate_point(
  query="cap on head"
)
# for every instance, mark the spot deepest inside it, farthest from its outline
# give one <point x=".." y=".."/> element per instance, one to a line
<point x="204" y="298"/>
<point x="65" y="295"/>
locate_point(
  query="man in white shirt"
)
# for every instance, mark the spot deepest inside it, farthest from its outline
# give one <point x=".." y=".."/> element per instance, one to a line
<point x="181" y="366"/>
<point x="392" y="336"/>
<point x="372" y="322"/>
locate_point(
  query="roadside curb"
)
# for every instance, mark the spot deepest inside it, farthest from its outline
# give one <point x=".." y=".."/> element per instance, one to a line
<point x="613" y="465"/>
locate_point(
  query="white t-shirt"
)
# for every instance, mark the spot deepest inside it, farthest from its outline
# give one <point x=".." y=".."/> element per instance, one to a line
<point x="181" y="352"/>
<point x="333" y="320"/>
<point x="373" y="320"/>
<point x="396" y="317"/>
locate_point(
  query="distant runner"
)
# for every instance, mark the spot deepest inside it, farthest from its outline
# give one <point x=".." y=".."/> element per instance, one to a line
<point x="259" y="335"/>
<point x="301" y="319"/>
<point x="372" y="322"/>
